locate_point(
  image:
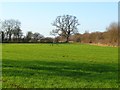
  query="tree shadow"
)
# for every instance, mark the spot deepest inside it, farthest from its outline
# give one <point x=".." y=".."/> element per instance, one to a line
<point x="63" y="69"/>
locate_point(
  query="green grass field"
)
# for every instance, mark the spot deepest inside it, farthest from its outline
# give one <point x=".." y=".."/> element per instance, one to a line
<point x="59" y="66"/>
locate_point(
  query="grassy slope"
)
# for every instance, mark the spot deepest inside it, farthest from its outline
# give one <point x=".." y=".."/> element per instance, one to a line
<point x="65" y="65"/>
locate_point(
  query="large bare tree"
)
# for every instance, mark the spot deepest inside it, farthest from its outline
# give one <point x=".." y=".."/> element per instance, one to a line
<point x="66" y="25"/>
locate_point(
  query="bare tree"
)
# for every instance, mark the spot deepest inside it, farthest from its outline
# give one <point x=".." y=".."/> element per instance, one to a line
<point x="29" y="36"/>
<point x="112" y="32"/>
<point x="66" y="25"/>
<point x="3" y="36"/>
<point x="9" y="26"/>
<point x="37" y="36"/>
<point x="76" y="37"/>
<point x="54" y="33"/>
<point x="17" y="32"/>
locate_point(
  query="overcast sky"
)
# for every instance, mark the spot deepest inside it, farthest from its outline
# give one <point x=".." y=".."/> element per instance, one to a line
<point x="38" y="16"/>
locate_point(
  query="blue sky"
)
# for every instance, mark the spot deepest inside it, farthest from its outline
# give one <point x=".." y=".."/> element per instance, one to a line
<point x="38" y="16"/>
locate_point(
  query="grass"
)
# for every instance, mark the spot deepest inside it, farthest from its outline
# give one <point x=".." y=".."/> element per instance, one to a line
<point x="59" y="66"/>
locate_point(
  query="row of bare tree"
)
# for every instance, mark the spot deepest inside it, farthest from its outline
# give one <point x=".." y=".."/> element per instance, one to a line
<point x="66" y="31"/>
<point x="109" y="37"/>
<point x="10" y="31"/>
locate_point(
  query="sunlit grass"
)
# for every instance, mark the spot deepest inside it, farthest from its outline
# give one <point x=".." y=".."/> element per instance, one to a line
<point x="62" y="65"/>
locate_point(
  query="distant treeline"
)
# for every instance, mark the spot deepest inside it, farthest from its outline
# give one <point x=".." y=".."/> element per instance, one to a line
<point x="110" y="36"/>
<point x="11" y="33"/>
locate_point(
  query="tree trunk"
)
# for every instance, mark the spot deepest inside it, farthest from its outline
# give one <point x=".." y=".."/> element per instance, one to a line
<point x="67" y="39"/>
<point x="10" y="37"/>
<point x="3" y="35"/>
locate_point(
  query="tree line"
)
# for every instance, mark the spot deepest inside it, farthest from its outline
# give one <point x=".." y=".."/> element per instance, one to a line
<point x="65" y="31"/>
<point x="11" y="32"/>
<point x="109" y="37"/>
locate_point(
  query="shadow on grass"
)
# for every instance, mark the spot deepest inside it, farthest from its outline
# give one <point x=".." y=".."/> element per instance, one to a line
<point x="64" y="69"/>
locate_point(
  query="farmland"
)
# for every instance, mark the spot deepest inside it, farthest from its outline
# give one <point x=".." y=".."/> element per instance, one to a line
<point x="59" y="66"/>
